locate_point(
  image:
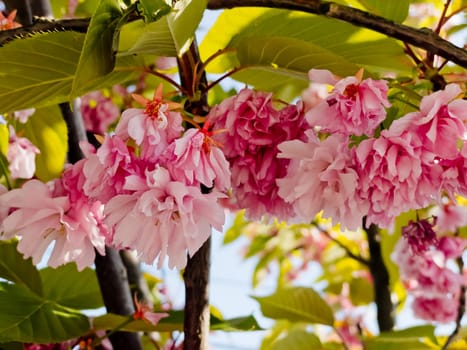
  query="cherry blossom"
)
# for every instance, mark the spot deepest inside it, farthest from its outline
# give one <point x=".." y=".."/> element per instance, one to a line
<point x="355" y="106"/>
<point x="21" y="156"/>
<point x="23" y="115"/>
<point x="393" y="176"/>
<point x="439" y="123"/>
<point x="441" y="309"/>
<point x="163" y="218"/>
<point x="195" y="159"/>
<point x="420" y="235"/>
<point x="152" y="128"/>
<point x="248" y="127"/>
<point x="144" y="312"/>
<point x="322" y="170"/>
<point x="8" y="22"/>
<point x="98" y="112"/>
<point x="56" y="212"/>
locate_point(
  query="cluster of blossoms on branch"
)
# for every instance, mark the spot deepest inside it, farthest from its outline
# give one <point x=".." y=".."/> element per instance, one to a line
<point x="156" y="186"/>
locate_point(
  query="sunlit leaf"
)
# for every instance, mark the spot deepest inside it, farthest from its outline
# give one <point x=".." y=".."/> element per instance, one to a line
<point x="410" y="338"/>
<point x="276" y="48"/>
<point x="153" y="10"/>
<point x="47" y="130"/>
<point x="4" y="136"/>
<point x="237" y="228"/>
<point x="171" y="35"/>
<point x="361" y="291"/>
<point x="27" y="317"/>
<point x="298" y="340"/>
<point x="297" y="304"/>
<point x="393" y="10"/>
<point x="246" y="323"/>
<point x="14" y="268"/>
<point x="72" y="288"/>
<point x="39" y="71"/>
<point x="97" y="57"/>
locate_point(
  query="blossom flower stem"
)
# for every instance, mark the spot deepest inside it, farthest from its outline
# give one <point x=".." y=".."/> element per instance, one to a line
<point x="226" y="75"/>
<point x="344" y="344"/>
<point x="380" y="274"/>
<point x="211" y="58"/>
<point x="356" y="257"/>
<point x="460" y="310"/>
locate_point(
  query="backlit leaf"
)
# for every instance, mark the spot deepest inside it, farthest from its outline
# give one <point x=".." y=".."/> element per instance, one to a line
<point x="39" y="71"/>
<point x="14" y="268"/>
<point x="297" y="304"/>
<point x="298" y="340"/>
<point x="27" y="317"/>
<point x="170" y="35"/>
<point x="72" y="288"/>
<point x="47" y="130"/>
<point x="393" y="10"/>
<point x="97" y="57"/>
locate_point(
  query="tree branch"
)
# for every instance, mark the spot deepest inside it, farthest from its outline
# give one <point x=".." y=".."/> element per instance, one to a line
<point x="41" y="24"/>
<point x="422" y="38"/>
<point x="380" y="275"/>
<point x="196" y="275"/>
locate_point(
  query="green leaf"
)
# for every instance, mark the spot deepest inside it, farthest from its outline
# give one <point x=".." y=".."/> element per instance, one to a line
<point x="153" y="10"/>
<point x="112" y="321"/>
<point x="237" y="228"/>
<point x="297" y="304"/>
<point x="276" y="48"/>
<point x="171" y="35"/>
<point x="291" y="55"/>
<point x="410" y="338"/>
<point x="298" y="340"/>
<point x="393" y="10"/>
<point x="69" y="287"/>
<point x="39" y="71"/>
<point x="246" y="323"/>
<point x="47" y="130"/>
<point x="97" y="57"/>
<point x="27" y="317"/>
<point x="14" y="268"/>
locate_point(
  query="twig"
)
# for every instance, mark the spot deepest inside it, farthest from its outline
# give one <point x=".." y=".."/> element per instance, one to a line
<point x="347" y="250"/>
<point x="460" y="308"/>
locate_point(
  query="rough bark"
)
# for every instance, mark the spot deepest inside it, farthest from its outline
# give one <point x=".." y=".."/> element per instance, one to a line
<point x="196" y="275"/>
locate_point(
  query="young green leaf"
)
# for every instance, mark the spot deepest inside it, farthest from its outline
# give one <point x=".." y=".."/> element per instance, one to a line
<point x="38" y="71"/>
<point x="27" y="317"/>
<point x="297" y="304"/>
<point x="393" y="10"/>
<point x="97" y="56"/>
<point x="69" y="287"/>
<point x="153" y="10"/>
<point x="14" y="268"/>
<point x="171" y="35"/>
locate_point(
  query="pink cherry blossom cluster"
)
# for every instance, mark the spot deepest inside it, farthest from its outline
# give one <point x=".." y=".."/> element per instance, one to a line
<point x="250" y="128"/>
<point x="434" y="286"/>
<point x="406" y="167"/>
<point x="150" y="187"/>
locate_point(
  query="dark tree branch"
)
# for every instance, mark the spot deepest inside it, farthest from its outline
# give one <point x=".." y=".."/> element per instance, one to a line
<point x="40" y="25"/>
<point x="380" y="274"/>
<point x="196" y="275"/>
<point x="138" y="284"/>
<point x="422" y="38"/>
